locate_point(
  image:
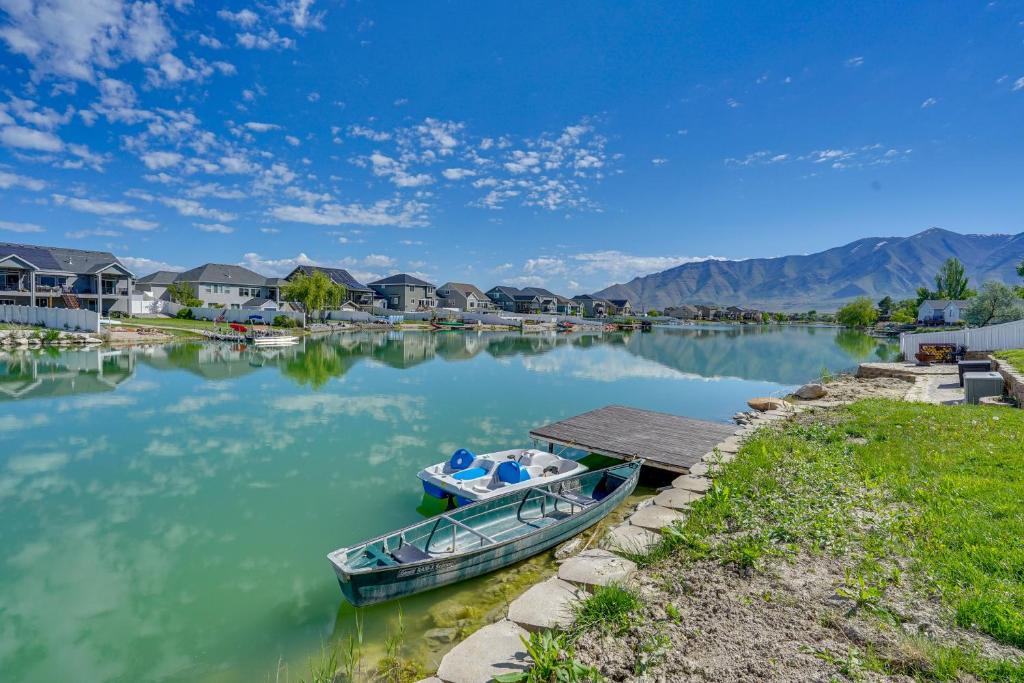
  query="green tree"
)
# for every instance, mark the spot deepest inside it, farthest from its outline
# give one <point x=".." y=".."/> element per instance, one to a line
<point x="996" y="303"/>
<point x="181" y="293"/>
<point x="1019" y="289"/>
<point x="858" y="313"/>
<point x="886" y="305"/>
<point x="315" y="292"/>
<point x="951" y="281"/>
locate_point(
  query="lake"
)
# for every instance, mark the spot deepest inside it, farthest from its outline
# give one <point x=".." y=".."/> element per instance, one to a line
<point x="167" y="510"/>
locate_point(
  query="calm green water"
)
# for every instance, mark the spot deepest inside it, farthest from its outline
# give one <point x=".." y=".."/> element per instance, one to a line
<point x="167" y="510"/>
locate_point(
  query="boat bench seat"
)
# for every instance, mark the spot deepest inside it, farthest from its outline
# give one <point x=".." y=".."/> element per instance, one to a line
<point x="409" y="553"/>
<point x="578" y="498"/>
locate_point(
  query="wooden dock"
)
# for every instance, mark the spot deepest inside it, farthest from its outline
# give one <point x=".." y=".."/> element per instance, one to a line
<point x="667" y="442"/>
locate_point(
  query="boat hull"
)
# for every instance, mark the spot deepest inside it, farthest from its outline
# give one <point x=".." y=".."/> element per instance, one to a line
<point x="389" y="583"/>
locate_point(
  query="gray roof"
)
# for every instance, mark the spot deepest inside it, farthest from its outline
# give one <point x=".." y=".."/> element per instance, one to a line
<point x="465" y="288"/>
<point x="510" y="292"/>
<point x="337" y="275"/>
<point x="402" y="279"/>
<point x="539" y="291"/>
<point x="61" y="259"/>
<point x="160" y="277"/>
<point x="942" y="303"/>
<point x="222" y="273"/>
<point x="256" y="302"/>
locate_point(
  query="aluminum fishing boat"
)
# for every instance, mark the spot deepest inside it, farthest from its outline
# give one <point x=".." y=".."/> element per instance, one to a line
<point x="480" y="537"/>
<point x="468" y="478"/>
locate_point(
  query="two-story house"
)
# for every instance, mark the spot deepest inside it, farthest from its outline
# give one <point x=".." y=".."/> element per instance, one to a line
<point x="463" y="296"/>
<point x="404" y="292"/>
<point x="55" y="277"/>
<point x="620" y="307"/>
<point x="225" y="286"/>
<point x="503" y="297"/>
<point x="594" y="307"/>
<point x="356" y="293"/>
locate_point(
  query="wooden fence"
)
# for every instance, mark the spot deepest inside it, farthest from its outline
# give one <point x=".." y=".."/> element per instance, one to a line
<point x="991" y="338"/>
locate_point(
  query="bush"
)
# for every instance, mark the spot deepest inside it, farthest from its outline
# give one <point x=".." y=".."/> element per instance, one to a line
<point x="858" y="313"/>
<point x="185" y="314"/>
<point x="284" y="321"/>
<point x="51" y="335"/>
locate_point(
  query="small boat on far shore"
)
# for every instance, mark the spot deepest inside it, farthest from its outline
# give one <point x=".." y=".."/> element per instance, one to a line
<point x="447" y="324"/>
<point x="479" y="538"/>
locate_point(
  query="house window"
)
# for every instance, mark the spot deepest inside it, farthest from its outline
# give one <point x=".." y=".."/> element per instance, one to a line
<point x="243" y="291"/>
<point x="394" y="301"/>
<point x="236" y="306"/>
<point x="6" y="302"/>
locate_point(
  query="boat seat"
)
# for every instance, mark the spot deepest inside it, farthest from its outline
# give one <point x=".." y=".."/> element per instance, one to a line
<point x="471" y="473"/>
<point x="409" y="553"/>
<point x="379" y="557"/>
<point x="578" y="498"/>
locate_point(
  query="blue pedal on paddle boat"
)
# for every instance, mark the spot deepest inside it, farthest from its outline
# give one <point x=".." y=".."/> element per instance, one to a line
<point x="467" y="478"/>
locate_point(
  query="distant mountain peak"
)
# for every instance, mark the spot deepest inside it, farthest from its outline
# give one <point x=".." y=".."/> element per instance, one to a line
<point x="871" y="266"/>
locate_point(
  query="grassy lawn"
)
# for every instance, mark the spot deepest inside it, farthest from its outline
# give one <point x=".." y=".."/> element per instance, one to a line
<point x="180" y="323"/>
<point x="1015" y="357"/>
<point x="915" y="499"/>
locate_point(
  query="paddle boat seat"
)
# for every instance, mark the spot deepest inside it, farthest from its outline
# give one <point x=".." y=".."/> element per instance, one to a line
<point x="471" y="473"/>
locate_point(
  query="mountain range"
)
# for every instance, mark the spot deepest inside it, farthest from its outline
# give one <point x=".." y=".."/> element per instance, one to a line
<point x="873" y="267"/>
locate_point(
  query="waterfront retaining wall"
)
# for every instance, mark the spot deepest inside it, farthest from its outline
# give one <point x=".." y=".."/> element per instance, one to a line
<point x="1014" y="380"/>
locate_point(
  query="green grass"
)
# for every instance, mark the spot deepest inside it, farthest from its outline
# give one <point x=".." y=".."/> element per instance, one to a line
<point x="940" y="485"/>
<point x="1015" y="357"/>
<point x="182" y="324"/>
<point x="608" y="608"/>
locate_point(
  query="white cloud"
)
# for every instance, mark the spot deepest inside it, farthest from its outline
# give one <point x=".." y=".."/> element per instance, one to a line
<point x="215" y="227"/>
<point x="20" y="137"/>
<point x="259" y="127"/>
<point x="9" y="180"/>
<point x="274" y="267"/>
<point x="930" y="102"/>
<point x="292" y="140"/>
<point x="73" y="38"/>
<point x="193" y="209"/>
<point x="1018" y="84"/>
<point x="379" y="261"/>
<point x="659" y="161"/>
<point x="357" y="131"/>
<point x="20" y="227"/>
<point x="245" y="18"/>
<point x="158" y="160"/>
<point x="139" y="224"/>
<point x="386" y="212"/>
<point x="94" y="206"/>
<point x="141" y="265"/>
<point x="854" y="62"/>
<point x="297" y="13"/>
<point x="267" y="40"/>
<point x="458" y="173"/>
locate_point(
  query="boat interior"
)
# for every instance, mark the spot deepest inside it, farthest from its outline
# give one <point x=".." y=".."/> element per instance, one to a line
<point x="490" y="522"/>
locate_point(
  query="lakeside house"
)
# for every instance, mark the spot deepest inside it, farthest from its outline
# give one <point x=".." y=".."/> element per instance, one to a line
<point x="621" y="307"/>
<point x="154" y="286"/>
<point x="941" y="311"/>
<point x="594" y="307"/>
<point x="532" y="300"/>
<point x="54" y="277"/>
<point x="403" y="292"/>
<point x="683" y="312"/>
<point x="359" y="296"/>
<point x="464" y="297"/>
<point x="221" y="285"/>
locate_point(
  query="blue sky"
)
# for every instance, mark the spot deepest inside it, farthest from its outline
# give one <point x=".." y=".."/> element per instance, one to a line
<point x="567" y="145"/>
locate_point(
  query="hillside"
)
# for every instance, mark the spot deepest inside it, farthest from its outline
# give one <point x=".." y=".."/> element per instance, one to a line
<point x="874" y="266"/>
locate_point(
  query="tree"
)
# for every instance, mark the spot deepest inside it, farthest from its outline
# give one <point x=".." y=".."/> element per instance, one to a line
<point x="996" y="303"/>
<point x="1019" y="289"/>
<point x="181" y="293"/>
<point x="858" y="313"/>
<point x="951" y="281"/>
<point x="885" y="305"/>
<point x="316" y="292"/>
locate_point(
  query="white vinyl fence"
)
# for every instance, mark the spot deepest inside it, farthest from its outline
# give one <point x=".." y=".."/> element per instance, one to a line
<point x="146" y="305"/>
<point x="991" y="338"/>
<point x="233" y="315"/>
<point x="72" y="319"/>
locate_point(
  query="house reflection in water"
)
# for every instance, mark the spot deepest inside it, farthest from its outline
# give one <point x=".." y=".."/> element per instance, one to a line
<point x="45" y="374"/>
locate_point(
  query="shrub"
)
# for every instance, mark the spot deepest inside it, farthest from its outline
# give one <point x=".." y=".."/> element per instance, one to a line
<point x="284" y="321"/>
<point x="51" y="335"/>
<point x="185" y="314"/>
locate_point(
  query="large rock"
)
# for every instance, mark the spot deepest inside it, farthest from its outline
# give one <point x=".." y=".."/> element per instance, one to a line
<point x="762" y="404"/>
<point x="809" y="392"/>
<point x="688" y="482"/>
<point x="596" y="568"/>
<point x="629" y="538"/>
<point x="677" y="499"/>
<point x="547" y="605"/>
<point x="655" y="518"/>
<point x="492" y="651"/>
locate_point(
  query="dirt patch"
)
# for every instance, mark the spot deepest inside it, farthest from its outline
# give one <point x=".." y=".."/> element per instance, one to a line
<point x="122" y="336"/>
<point x="848" y="388"/>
